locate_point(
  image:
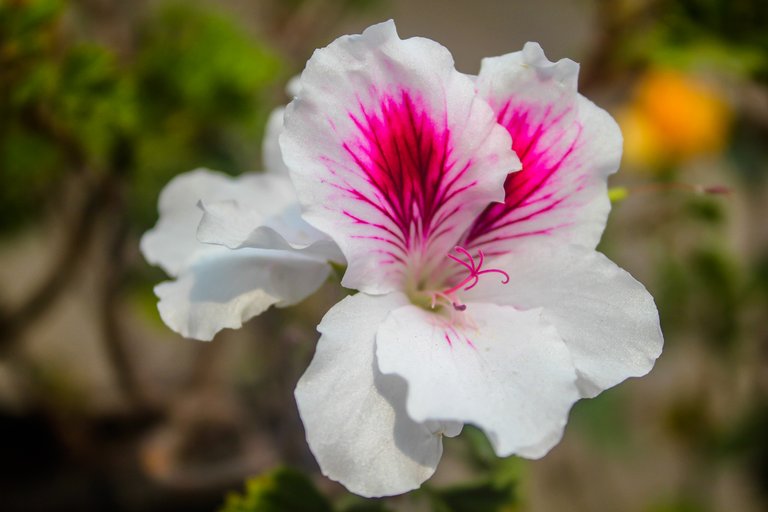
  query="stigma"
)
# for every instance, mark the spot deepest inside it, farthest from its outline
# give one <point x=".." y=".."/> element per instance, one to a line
<point x="474" y="270"/>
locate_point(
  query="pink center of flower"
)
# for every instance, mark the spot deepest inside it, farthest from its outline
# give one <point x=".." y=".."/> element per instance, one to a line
<point x="474" y="271"/>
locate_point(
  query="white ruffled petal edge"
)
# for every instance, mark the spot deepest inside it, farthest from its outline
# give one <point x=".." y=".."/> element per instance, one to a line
<point x="265" y="215"/>
<point x="607" y="319"/>
<point x="354" y="416"/>
<point x="172" y="243"/>
<point x="504" y="370"/>
<point x="218" y="287"/>
<point x="228" y="287"/>
<point x="272" y="156"/>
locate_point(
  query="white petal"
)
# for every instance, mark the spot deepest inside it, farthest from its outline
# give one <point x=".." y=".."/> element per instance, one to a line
<point x="392" y="153"/>
<point x="355" y="417"/>
<point x="172" y="243"/>
<point x="293" y="87"/>
<point x="228" y="287"/>
<point x="568" y="147"/>
<point x="270" y="149"/>
<point x="607" y="319"/>
<point x="272" y="156"/>
<point x="268" y="216"/>
<point x="506" y="371"/>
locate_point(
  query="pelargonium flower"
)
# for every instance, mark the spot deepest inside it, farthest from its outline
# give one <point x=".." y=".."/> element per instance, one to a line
<point x="468" y="210"/>
<point x="235" y="246"/>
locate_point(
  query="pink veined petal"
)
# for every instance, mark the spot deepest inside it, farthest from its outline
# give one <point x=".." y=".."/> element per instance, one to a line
<point x="392" y="153"/>
<point x="567" y="145"/>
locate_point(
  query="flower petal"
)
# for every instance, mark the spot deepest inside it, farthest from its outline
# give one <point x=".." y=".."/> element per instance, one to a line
<point x="355" y="417"/>
<point x="567" y="145"/>
<point x="172" y="243"/>
<point x="270" y="148"/>
<point x="504" y="370"/>
<point x="268" y="217"/>
<point x="607" y="319"/>
<point x="227" y="288"/>
<point x="392" y="153"/>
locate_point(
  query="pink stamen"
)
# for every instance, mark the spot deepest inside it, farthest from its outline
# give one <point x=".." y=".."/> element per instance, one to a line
<point x="475" y="271"/>
<point x="462" y="262"/>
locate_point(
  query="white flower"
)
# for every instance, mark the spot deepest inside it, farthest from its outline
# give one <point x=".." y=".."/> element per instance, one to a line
<point x="235" y="246"/>
<point x="482" y="299"/>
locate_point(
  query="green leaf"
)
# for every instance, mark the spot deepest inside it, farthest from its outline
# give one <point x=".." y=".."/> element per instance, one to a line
<point x="201" y="61"/>
<point x="366" y="506"/>
<point x="602" y="421"/>
<point x="281" y="490"/>
<point x="22" y="18"/>
<point x="480" y="450"/>
<point x="29" y="167"/>
<point x="204" y="88"/>
<point x="94" y="101"/>
<point x="483" y="496"/>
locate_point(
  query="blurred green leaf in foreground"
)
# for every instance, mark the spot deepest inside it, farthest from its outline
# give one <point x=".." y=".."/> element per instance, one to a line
<point x="282" y="490"/>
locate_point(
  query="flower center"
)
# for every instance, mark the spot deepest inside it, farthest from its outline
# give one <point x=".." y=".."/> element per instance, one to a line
<point x="474" y="271"/>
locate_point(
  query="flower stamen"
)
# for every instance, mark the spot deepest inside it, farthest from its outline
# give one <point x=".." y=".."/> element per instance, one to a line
<point x="475" y="270"/>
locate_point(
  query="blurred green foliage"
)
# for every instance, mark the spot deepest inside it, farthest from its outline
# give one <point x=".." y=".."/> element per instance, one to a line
<point x="603" y="421"/>
<point x="288" y="490"/>
<point x="205" y="88"/>
<point x="367" y="506"/>
<point x="738" y="25"/>
<point x="749" y="153"/>
<point x="728" y="35"/>
<point x="347" y="5"/>
<point x="194" y="92"/>
<point x="499" y="488"/>
<point x="28" y="73"/>
<point x="702" y="292"/>
<point x="93" y="100"/>
<point x="482" y="496"/>
<point x="281" y="490"/>
<point x="677" y="506"/>
<point x="747" y="441"/>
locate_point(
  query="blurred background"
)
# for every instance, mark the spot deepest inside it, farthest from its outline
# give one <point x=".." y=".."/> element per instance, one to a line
<point x="102" y="408"/>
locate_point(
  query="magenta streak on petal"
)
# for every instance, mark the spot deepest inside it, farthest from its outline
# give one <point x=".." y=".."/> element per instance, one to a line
<point x="405" y="157"/>
<point x="450" y="334"/>
<point x="548" y="179"/>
